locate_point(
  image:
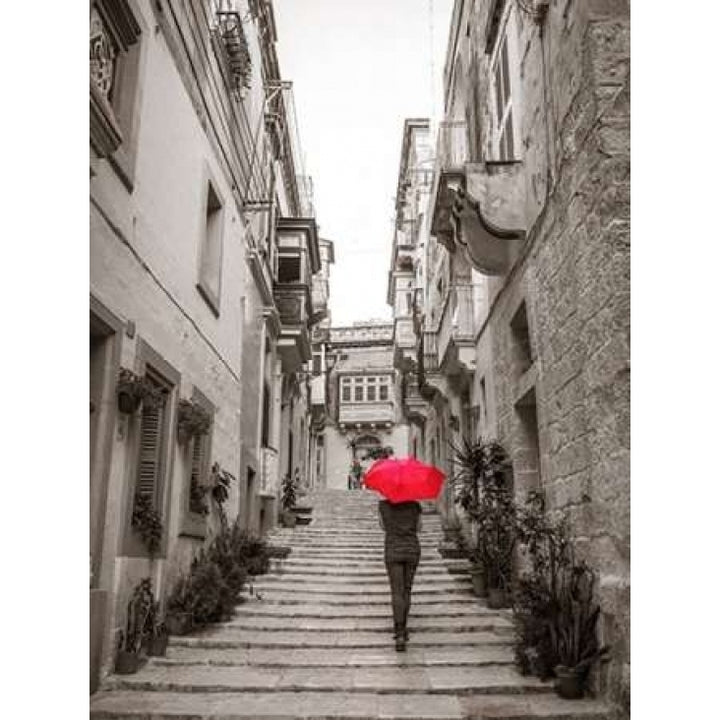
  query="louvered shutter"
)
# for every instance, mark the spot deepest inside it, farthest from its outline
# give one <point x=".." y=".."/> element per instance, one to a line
<point x="151" y="427"/>
<point x="197" y="461"/>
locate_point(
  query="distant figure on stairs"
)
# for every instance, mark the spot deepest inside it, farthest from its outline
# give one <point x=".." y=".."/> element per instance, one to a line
<point x="401" y="523"/>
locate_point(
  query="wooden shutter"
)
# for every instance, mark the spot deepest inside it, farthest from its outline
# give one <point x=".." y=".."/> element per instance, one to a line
<point x="151" y="435"/>
<point x="198" y="460"/>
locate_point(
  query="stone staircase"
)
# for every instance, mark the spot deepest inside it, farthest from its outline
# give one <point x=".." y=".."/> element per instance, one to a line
<point x="314" y="641"/>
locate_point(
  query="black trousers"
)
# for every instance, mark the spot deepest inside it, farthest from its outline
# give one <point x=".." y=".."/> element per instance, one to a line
<point x="401" y="574"/>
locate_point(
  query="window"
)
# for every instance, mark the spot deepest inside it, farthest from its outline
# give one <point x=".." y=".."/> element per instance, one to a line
<point x="152" y="463"/>
<point x="114" y="71"/>
<point x="504" y="106"/>
<point x="152" y="445"/>
<point x="150" y="432"/>
<point x="520" y="332"/>
<point x="211" y="249"/>
<point x="289" y="269"/>
<point x="316" y="364"/>
<point x="363" y="388"/>
<point x="265" y="432"/>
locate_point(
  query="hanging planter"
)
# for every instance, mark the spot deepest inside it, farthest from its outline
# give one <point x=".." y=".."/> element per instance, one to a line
<point x="147" y="522"/>
<point x="193" y="421"/>
<point x="133" y="390"/>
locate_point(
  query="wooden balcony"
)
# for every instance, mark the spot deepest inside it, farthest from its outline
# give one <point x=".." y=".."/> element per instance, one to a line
<point x="367" y="413"/>
<point x="293" y="305"/>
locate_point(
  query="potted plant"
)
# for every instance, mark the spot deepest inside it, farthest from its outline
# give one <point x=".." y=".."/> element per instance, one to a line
<point x="133" y="389"/>
<point x="483" y="491"/>
<point x="220" y="481"/>
<point x="287" y="501"/>
<point x="146" y="522"/>
<point x="157" y="633"/>
<point x="478" y="573"/>
<point x="572" y="629"/>
<point x="545" y="553"/>
<point x="193" y="420"/>
<point x="496" y="535"/>
<point x="139" y="608"/>
<point x="198" y="497"/>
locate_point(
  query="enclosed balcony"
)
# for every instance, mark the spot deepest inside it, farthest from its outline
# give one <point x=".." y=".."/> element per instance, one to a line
<point x="298" y="259"/>
<point x="477" y="207"/>
<point x="415" y="406"/>
<point x="455" y="336"/>
<point x="378" y="413"/>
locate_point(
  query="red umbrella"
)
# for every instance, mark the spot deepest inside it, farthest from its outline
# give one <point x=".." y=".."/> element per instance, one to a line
<point x="404" y="480"/>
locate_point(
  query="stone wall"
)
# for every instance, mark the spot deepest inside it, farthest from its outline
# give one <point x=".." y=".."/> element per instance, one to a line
<point x="574" y="282"/>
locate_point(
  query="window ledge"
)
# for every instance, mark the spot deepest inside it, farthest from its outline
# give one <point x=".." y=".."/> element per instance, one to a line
<point x="212" y="301"/>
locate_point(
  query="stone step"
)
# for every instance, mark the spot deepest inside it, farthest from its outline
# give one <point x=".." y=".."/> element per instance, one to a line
<point x="418" y="598"/>
<point x="451" y="585"/>
<point x="426" y="561"/>
<point x="338" y="657"/>
<point x="400" y="680"/>
<point x="375" y="624"/>
<point x="350" y="556"/>
<point x="354" y="611"/>
<point x="301" y="570"/>
<point x="134" y="705"/>
<point x="224" y="638"/>
<point x="369" y="545"/>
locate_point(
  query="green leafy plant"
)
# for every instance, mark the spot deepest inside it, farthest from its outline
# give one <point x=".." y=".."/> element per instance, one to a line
<point x="193" y="420"/>
<point x="483" y="490"/>
<point x="554" y="612"/>
<point x="288" y="492"/>
<point x="220" y="482"/>
<point x="147" y="522"/>
<point x="379" y="453"/>
<point x="139" y="609"/>
<point x="198" y="497"/>
<point x="133" y="389"/>
<point x="573" y="620"/>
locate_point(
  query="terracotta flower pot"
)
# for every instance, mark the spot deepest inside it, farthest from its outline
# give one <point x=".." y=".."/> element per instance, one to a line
<point x="128" y="403"/>
<point x="157" y="646"/>
<point x="479" y="581"/>
<point x="497" y="598"/>
<point x="289" y="519"/>
<point x="569" y="683"/>
<point x="127" y="663"/>
<point x="179" y="624"/>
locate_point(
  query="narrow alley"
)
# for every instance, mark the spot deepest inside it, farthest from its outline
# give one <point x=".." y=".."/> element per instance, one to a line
<point x="324" y="234"/>
<point x="314" y="641"/>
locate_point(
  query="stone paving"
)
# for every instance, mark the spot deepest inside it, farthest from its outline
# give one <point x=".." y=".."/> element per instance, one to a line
<point x="314" y="641"/>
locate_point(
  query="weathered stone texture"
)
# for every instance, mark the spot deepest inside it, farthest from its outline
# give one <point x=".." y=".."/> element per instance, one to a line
<point x="575" y="281"/>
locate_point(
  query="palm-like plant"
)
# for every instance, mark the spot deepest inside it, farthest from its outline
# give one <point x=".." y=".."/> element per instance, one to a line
<point x="483" y="490"/>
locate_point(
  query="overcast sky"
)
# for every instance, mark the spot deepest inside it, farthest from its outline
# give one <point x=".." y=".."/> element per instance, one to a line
<point x="359" y="68"/>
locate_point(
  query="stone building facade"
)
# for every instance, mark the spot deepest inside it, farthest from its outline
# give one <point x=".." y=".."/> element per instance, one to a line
<point x="363" y="400"/>
<point x="520" y="272"/>
<point x="203" y="248"/>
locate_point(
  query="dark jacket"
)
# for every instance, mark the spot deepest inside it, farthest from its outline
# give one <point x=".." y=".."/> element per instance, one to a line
<point x="401" y="523"/>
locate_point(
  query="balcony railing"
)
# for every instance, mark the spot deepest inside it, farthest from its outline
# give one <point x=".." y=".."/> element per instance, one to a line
<point x="404" y="333"/>
<point x="292" y="303"/>
<point x="456" y="323"/>
<point x="364" y="413"/>
<point x="453" y="149"/>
